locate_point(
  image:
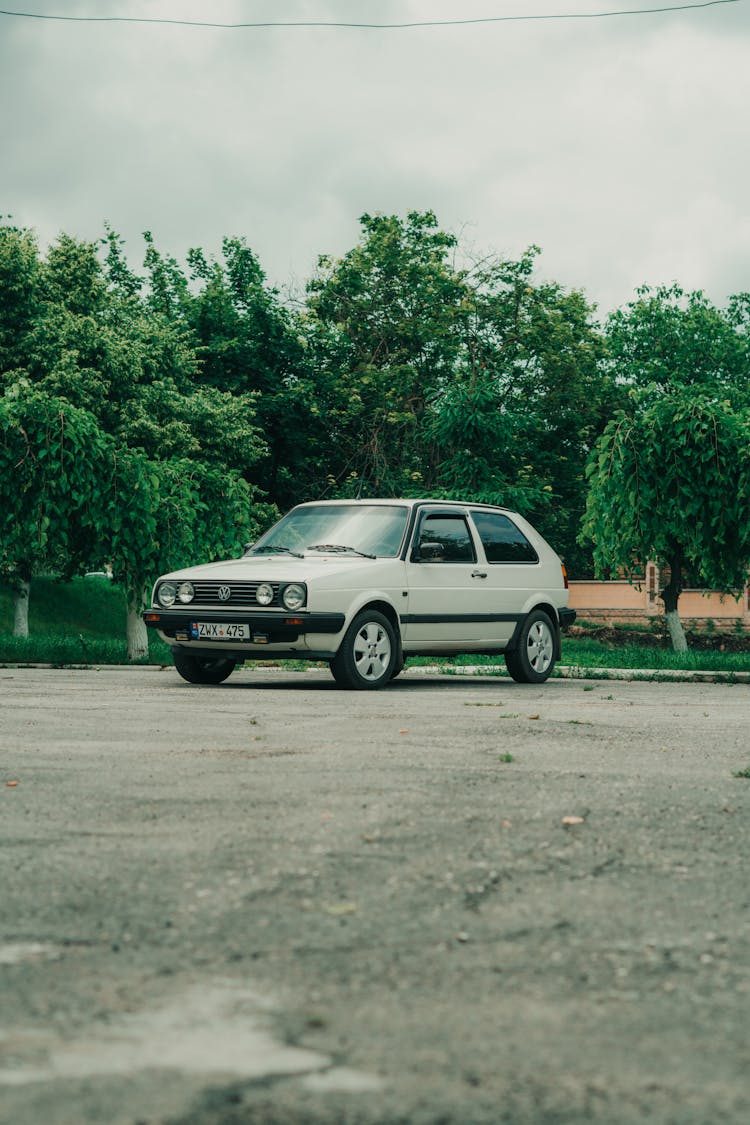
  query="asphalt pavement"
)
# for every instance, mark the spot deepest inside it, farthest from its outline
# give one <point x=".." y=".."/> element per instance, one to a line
<point x="457" y="901"/>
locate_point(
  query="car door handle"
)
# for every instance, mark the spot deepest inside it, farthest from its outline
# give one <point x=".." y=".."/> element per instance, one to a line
<point x="479" y="574"/>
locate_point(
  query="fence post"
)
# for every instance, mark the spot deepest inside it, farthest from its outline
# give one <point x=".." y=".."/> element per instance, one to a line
<point x="652" y="587"/>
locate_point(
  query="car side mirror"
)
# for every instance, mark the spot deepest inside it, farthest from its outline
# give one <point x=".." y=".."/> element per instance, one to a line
<point x="429" y="552"/>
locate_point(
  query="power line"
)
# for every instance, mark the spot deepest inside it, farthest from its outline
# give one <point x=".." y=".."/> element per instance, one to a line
<point x="370" y="26"/>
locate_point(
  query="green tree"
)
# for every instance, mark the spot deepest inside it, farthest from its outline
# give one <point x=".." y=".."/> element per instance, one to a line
<point x="163" y="515"/>
<point x="479" y="455"/>
<point x="181" y="447"/>
<point x="473" y="381"/>
<point x="670" y="481"/>
<point x="382" y="323"/>
<point x="101" y="339"/>
<point x="96" y="343"/>
<point x="673" y="339"/>
<point x="51" y="460"/>
<point x="19" y="297"/>
<point x="248" y="345"/>
<point x="526" y="399"/>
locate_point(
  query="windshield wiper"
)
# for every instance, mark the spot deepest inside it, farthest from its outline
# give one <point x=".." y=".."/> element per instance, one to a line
<point x="337" y="548"/>
<point x="274" y="550"/>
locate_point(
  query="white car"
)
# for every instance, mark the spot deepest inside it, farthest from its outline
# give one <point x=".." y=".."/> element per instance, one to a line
<point x="364" y="584"/>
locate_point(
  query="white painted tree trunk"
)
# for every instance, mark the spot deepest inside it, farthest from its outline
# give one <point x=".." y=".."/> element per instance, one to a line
<point x="136" y="631"/>
<point x="676" y="631"/>
<point x="21" y="608"/>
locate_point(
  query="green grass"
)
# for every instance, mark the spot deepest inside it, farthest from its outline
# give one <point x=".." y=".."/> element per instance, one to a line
<point x="76" y="622"/>
<point x="83" y="622"/>
<point x="591" y="654"/>
<point x="62" y="649"/>
<point x="586" y="653"/>
<point x="93" y="606"/>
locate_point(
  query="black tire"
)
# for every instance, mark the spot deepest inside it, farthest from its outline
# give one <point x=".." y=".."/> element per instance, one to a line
<point x="202" y="669"/>
<point x="368" y="654"/>
<point x="532" y="662"/>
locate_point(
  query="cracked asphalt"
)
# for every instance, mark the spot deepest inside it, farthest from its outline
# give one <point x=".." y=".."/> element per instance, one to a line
<point x="458" y="901"/>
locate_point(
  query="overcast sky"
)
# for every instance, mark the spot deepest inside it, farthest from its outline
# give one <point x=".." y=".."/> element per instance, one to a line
<point x="618" y="145"/>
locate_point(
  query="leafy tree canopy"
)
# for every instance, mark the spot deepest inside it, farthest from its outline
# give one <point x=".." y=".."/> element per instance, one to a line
<point x="247" y="344"/>
<point x="382" y="330"/>
<point x="51" y="490"/>
<point x="672" y="339"/>
<point x="20" y="294"/>
<point x="470" y="380"/>
<point x="670" y="481"/>
<point x="111" y="446"/>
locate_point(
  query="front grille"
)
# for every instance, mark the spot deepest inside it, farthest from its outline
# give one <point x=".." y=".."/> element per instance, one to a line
<point x="242" y="594"/>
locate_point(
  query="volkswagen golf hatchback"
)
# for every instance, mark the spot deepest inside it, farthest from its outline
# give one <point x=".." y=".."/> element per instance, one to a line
<point x="365" y="584"/>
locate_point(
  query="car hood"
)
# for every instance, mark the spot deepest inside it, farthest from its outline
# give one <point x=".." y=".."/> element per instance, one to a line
<point x="274" y="568"/>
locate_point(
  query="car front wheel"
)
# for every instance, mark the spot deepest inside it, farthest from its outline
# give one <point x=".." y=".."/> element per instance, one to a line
<point x="532" y="662"/>
<point x="202" y="669"/>
<point x="367" y="657"/>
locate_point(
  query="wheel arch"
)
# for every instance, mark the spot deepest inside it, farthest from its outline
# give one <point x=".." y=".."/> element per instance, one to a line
<point x="378" y="602"/>
<point x="372" y="664"/>
<point x="379" y="605"/>
<point x="388" y="610"/>
<point x="549" y="609"/>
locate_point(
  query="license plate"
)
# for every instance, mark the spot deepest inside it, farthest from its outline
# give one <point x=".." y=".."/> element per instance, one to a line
<point x="219" y="631"/>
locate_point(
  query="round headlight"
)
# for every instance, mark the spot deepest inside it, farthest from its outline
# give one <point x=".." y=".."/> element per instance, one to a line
<point x="264" y="594"/>
<point x="166" y="594"/>
<point x="185" y="592"/>
<point x="293" y="596"/>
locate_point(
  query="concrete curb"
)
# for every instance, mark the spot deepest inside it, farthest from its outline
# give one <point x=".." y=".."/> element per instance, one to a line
<point x="18" y="665"/>
<point x="562" y="671"/>
<point x="574" y="672"/>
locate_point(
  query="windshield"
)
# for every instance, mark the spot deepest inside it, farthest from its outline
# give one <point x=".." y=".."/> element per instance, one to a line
<point x="370" y="529"/>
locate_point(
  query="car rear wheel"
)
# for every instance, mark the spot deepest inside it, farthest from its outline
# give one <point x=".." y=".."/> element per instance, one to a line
<point x="202" y="669"/>
<point x="532" y="662"/>
<point x="367" y="657"/>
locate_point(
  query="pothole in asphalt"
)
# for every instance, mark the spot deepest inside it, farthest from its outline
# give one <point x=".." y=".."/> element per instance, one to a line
<point x="210" y="1029"/>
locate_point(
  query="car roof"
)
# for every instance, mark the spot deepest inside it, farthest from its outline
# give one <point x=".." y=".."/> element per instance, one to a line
<point x="409" y="501"/>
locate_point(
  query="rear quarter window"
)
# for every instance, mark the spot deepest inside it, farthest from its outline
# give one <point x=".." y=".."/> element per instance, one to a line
<point x="502" y="540"/>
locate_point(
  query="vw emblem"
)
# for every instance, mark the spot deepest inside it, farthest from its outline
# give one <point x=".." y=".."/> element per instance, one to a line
<point x="224" y="592"/>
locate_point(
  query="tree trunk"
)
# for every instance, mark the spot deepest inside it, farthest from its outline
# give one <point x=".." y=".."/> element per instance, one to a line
<point x="676" y="631"/>
<point x="21" y="590"/>
<point x="136" y="630"/>
<point x="670" y="596"/>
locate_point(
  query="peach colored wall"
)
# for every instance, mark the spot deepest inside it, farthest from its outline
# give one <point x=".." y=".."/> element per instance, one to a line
<point x="607" y="595"/>
<point x="619" y="601"/>
<point x="695" y="603"/>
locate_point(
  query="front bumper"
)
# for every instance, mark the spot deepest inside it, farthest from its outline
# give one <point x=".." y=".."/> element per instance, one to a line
<point x="265" y="628"/>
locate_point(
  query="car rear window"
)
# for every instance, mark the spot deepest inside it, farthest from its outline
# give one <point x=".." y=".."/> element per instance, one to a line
<point x="502" y="540"/>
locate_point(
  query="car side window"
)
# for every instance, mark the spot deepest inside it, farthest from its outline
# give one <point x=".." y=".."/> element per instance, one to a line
<point x="503" y="542"/>
<point x="444" y="539"/>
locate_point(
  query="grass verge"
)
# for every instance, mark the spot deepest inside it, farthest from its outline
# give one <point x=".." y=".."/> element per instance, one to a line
<point x="63" y="649"/>
<point x="83" y="622"/>
<point x="76" y="622"/>
<point x="587" y="653"/>
<point x="593" y="655"/>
